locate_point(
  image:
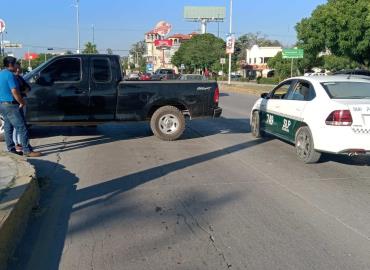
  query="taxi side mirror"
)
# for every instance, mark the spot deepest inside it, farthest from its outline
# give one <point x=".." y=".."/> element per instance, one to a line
<point x="265" y="95"/>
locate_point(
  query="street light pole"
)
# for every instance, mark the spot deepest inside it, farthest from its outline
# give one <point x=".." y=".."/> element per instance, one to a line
<point x="230" y="32"/>
<point x="93" y="33"/>
<point x="78" y="25"/>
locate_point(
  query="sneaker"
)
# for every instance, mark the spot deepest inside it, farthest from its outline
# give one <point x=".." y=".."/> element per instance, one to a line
<point x="33" y="154"/>
<point x="19" y="148"/>
<point x="16" y="152"/>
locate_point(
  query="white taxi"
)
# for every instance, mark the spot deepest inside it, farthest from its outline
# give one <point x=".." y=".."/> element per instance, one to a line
<point x="328" y="114"/>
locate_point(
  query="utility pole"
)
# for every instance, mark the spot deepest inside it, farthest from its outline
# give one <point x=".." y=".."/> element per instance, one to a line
<point x="93" y="34"/>
<point x="78" y="25"/>
<point x="230" y="32"/>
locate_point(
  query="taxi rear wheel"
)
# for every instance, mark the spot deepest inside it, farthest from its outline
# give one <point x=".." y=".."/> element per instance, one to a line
<point x="256" y="125"/>
<point x="305" y="147"/>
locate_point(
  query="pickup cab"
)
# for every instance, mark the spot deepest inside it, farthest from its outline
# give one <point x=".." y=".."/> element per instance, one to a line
<point x="78" y="90"/>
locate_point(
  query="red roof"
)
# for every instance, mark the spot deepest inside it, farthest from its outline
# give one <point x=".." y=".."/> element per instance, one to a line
<point x="151" y="32"/>
<point x="181" y="36"/>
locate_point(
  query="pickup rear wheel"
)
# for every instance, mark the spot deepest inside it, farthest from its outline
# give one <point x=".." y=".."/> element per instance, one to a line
<point x="2" y="131"/>
<point x="168" y="123"/>
<point x="305" y="147"/>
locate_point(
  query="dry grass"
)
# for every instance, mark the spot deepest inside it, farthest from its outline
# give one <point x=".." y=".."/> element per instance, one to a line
<point x="246" y="88"/>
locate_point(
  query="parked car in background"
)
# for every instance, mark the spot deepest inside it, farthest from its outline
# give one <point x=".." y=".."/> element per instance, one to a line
<point x="145" y="77"/>
<point x="134" y="76"/>
<point x="192" y="77"/>
<point x="319" y="114"/>
<point x="164" y="74"/>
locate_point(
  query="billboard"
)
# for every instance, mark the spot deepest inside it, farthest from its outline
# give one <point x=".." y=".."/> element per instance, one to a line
<point x="192" y="13"/>
<point x="163" y="28"/>
<point x="163" y="43"/>
<point x="30" y="56"/>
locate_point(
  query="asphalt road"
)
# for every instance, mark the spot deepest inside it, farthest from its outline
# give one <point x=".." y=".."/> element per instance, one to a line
<point x="116" y="197"/>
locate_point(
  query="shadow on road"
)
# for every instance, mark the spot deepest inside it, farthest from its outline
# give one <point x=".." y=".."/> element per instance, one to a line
<point x="131" y="131"/>
<point x="44" y="240"/>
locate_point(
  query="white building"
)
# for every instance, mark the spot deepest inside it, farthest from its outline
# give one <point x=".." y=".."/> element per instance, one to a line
<point x="257" y="58"/>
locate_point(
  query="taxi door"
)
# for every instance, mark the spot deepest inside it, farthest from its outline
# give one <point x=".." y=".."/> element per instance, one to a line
<point x="292" y="109"/>
<point x="270" y="108"/>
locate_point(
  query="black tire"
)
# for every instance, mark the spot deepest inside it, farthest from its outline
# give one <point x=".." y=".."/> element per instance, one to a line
<point x="256" y="125"/>
<point x="304" y="145"/>
<point x="167" y="123"/>
<point x="2" y="138"/>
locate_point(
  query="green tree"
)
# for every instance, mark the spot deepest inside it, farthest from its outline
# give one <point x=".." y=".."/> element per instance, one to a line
<point x="246" y="41"/>
<point x="138" y="51"/>
<point x="341" y="26"/>
<point x="200" y="52"/>
<point x="335" y="63"/>
<point x="282" y="66"/>
<point x="90" y="48"/>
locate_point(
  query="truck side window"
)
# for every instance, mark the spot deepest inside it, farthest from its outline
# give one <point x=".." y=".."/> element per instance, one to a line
<point x="62" y="70"/>
<point x="101" y="70"/>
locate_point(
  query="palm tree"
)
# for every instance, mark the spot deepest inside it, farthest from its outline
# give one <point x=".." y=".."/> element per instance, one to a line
<point x="90" y="48"/>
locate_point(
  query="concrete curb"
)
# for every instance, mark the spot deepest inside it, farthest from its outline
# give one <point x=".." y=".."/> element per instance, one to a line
<point x="16" y="204"/>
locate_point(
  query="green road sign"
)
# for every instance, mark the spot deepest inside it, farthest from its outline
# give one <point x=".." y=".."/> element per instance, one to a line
<point x="293" y="53"/>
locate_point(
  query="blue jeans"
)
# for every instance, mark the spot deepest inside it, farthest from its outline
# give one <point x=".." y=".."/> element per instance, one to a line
<point x="13" y="119"/>
<point x="16" y="134"/>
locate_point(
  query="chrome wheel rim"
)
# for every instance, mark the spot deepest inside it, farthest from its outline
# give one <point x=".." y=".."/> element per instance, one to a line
<point x="303" y="145"/>
<point x="169" y="124"/>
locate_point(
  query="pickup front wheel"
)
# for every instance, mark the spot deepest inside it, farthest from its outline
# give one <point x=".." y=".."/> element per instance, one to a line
<point x="168" y="123"/>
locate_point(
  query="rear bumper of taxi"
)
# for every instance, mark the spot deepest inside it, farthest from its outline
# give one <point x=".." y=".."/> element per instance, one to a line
<point x="343" y="140"/>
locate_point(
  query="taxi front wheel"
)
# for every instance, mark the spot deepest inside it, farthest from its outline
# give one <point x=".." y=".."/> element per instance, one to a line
<point x="305" y="147"/>
<point x="256" y="125"/>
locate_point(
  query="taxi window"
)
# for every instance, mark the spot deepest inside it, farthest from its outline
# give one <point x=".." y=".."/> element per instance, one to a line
<point x="302" y="91"/>
<point x="281" y="91"/>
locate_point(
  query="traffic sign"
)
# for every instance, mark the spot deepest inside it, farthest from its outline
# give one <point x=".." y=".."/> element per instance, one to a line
<point x="222" y="61"/>
<point x="2" y="26"/>
<point x="13" y="45"/>
<point x="149" y="67"/>
<point x="182" y="67"/>
<point x="293" y="53"/>
<point x="230" y="44"/>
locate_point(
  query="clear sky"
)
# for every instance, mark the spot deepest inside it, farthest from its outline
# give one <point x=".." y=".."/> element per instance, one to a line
<point x="119" y="23"/>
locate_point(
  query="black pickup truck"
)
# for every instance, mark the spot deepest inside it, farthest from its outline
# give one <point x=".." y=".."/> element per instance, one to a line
<point x="86" y="90"/>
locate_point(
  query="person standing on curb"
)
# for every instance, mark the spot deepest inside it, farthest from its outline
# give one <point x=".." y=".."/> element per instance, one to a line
<point x="11" y="102"/>
<point x="23" y="88"/>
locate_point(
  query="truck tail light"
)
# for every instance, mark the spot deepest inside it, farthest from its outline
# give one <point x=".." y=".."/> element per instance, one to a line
<point x="216" y="96"/>
<point x="339" y="118"/>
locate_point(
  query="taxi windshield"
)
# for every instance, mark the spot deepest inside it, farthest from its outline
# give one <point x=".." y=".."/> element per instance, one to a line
<point x="347" y="90"/>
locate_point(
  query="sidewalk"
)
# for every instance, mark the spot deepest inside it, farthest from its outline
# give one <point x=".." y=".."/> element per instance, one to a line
<point x="19" y="193"/>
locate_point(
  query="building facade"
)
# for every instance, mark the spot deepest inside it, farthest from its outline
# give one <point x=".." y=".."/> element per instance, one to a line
<point x="159" y="56"/>
<point x="257" y="58"/>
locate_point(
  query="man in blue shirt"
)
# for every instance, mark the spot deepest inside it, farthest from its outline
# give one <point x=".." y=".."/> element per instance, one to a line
<point x="10" y="103"/>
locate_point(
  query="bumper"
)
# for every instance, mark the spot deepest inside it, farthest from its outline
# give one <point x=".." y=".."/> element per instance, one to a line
<point x="342" y="140"/>
<point x="217" y="112"/>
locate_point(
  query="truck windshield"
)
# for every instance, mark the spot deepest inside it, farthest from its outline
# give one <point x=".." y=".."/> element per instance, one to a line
<point x="347" y="90"/>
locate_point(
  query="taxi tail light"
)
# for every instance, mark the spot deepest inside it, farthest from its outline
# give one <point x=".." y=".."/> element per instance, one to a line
<point x="339" y="118"/>
<point x="216" y="96"/>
